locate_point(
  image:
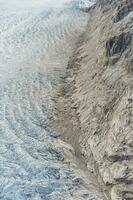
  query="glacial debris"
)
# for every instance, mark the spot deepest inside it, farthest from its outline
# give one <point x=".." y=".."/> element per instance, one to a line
<point x="100" y="76"/>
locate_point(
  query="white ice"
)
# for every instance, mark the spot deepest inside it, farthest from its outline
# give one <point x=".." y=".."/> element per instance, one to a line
<point x="37" y="38"/>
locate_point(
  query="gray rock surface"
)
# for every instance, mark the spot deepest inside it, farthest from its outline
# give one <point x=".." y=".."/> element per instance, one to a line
<point x="99" y="89"/>
<point x="124" y="9"/>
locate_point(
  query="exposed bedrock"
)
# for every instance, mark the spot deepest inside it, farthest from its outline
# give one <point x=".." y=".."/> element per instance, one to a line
<point x="99" y="86"/>
<point x="124" y="9"/>
<point x="118" y="44"/>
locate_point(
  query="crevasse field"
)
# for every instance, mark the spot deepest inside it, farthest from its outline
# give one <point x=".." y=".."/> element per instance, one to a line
<point x="37" y="38"/>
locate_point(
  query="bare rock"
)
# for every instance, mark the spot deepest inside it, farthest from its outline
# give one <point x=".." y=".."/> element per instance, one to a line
<point x="116" y="45"/>
<point x="100" y="75"/>
<point x="123" y="10"/>
<point x="102" y="68"/>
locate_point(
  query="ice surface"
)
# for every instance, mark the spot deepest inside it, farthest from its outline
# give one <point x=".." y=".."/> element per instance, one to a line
<point x="86" y="3"/>
<point x="36" y="39"/>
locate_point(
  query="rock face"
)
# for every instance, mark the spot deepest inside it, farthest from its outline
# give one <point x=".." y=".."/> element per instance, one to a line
<point x="124" y="9"/>
<point x="118" y="44"/>
<point x="100" y="84"/>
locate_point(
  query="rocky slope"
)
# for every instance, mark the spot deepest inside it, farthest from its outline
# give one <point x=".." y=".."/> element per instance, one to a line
<point x="96" y="100"/>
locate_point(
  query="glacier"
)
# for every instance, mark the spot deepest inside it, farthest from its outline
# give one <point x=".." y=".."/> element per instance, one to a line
<point x="36" y="40"/>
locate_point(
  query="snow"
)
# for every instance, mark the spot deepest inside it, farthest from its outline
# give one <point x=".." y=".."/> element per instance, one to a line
<point x="86" y="3"/>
